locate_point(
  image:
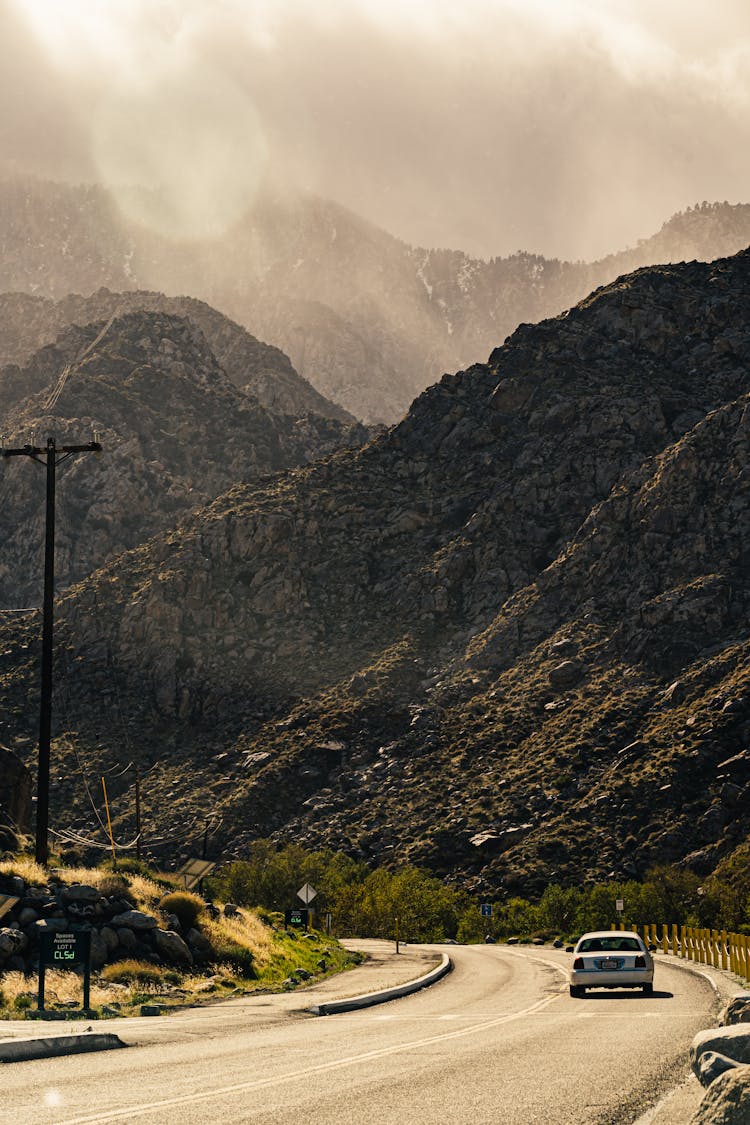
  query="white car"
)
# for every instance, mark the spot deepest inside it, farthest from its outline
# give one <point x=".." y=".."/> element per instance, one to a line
<point x="611" y="959"/>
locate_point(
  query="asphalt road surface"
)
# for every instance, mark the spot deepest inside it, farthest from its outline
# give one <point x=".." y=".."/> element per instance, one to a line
<point x="498" y="1042"/>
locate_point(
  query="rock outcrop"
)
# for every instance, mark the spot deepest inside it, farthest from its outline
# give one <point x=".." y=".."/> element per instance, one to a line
<point x="176" y="431"/>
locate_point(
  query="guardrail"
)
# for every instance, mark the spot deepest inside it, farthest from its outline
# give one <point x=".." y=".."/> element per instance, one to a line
<point x="718" y="948"/>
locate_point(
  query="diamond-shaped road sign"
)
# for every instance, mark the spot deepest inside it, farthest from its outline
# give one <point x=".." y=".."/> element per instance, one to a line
<point x="307" y="894"/>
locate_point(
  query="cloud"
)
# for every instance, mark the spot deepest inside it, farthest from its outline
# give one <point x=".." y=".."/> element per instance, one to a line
<point x="568" y="127"/>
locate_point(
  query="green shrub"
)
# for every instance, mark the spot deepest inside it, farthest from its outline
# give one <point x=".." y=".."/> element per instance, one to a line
<point x="130" y="971"/>
<point x="137" y="867"/>
<point x="114" y="886"/>
<point x="187" y="908"/>
<point x="238" y="957"/>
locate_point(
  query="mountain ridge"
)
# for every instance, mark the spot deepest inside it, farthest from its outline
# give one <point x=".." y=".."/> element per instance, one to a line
<point x="177" y="430"/>
<point x="367" y="319"/>
<point x="506" y="639"/>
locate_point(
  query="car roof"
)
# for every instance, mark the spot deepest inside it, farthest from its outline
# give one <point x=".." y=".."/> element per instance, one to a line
<point x="611" y="933"/>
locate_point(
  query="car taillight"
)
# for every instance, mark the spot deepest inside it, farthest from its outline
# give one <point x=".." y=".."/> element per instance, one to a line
<point x="578" y="963"/>
<point x="640" y="962"/>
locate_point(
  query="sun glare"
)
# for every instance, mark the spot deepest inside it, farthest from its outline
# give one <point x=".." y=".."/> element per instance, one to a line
<point x="71" y="30"/>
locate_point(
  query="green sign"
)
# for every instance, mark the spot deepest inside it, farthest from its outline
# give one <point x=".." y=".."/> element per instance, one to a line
<point x="298" y="918"/>
<point x="65" y="950"/>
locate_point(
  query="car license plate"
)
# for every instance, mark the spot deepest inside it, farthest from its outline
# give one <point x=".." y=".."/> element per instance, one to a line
<point x="609" y="963"/>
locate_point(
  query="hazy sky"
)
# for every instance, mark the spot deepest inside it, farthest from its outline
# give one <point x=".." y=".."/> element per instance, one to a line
<point x="567" y="127"/>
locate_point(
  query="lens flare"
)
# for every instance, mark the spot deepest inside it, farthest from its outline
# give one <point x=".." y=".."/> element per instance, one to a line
<point x="183" y="152"/>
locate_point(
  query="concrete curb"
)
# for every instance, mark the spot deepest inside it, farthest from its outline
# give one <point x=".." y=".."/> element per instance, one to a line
<point x="371" y="998"/>
<point x="23" y="1050"/>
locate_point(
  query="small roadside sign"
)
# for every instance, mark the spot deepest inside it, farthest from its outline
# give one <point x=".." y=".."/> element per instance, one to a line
<point x="619" y="905"/>
<point x="307" y="894"/>
<point x="297" y="918"/>
<point x="486" y="909"/>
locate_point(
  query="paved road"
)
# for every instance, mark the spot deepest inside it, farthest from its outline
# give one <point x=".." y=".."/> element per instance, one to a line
<point x="498" y="1041"/>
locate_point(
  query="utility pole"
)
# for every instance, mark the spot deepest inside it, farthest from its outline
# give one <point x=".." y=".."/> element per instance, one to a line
<point x="50" y="455"/>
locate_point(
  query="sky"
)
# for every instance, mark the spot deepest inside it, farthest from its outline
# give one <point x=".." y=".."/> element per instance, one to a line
<point x="569" y="128"/>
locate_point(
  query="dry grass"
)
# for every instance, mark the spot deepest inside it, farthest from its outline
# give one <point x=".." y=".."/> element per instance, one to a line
<point x="28" y="869"/>
<point x="59" y="989"/>
<point x="243" y="928"/>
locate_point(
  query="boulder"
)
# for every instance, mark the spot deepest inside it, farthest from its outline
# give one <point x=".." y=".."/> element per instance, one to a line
<point x="711" y="1065"/>
<point x="53" y="925"/>
<point x="79" y="893"/>
<point x="127" y="940"/>
<point x="566" y="674"/>
<point x="736" y="1011"/>
<point x="732" y="1042"/>
<point x="110" y="938"/>
<point x="135" y="920"/>
<point x="99" y="949"/>
<point x="172" y="948"/>
<point x="79" y="911"/>
<point x="198" y="942"/>
<point x="727" y="1100"/>
<point x="12" y="942"/>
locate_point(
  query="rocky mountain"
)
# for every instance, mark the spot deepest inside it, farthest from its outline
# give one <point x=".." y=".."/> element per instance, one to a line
<point x="27" y="323"/>
<point x="176" y="427"/>
<point x="369" y="320"/>
<point x="506" y="639"/>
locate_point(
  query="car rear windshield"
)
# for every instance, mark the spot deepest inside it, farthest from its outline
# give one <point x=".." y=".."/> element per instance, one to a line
<point x="609" y="945"/>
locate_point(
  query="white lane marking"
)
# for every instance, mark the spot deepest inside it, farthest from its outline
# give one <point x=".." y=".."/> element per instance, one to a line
<point x="129" y="1113"/>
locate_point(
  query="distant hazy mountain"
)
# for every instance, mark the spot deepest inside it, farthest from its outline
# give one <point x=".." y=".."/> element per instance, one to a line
<point x="367" y="319"/>
<point x="27" y="323"/>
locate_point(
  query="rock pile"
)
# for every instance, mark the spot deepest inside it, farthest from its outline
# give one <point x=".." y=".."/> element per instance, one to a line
<point x="117" y="930"/>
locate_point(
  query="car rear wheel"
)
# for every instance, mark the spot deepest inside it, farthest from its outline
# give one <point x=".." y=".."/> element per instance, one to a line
<point x="577" y="990"/>
<point x="648" y="990"/>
